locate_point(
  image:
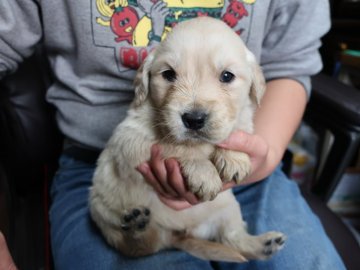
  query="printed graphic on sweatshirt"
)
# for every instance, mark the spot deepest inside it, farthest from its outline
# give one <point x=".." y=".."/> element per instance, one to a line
<point x="133" y="27"/>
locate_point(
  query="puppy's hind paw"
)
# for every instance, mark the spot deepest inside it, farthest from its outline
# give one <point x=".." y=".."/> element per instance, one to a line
<point x="136" y="219"/>
<point x="273" y="242"/>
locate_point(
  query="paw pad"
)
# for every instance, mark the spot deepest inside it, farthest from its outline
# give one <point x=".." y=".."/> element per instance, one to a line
<point x="272" y="245"/>
<point x="135" y="219"/>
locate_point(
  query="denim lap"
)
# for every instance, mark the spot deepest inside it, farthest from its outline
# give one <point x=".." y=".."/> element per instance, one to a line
<point x="272" y="204"/>
<point x="276" y="204"/>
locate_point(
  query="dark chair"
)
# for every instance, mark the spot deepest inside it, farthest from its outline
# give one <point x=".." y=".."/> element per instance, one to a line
<point x="31" y="143"/>
<point x="335" y="108"/>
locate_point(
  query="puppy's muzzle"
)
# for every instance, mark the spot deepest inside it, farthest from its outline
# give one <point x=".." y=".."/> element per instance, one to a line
<point x="194" y="120"/>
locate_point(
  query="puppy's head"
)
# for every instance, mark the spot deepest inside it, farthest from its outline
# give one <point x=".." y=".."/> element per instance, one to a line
<point x="202" y="82"/>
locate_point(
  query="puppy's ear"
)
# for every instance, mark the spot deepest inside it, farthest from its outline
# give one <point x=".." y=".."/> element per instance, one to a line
<point x="142" y="80"/>
<point x="258" y="84"/>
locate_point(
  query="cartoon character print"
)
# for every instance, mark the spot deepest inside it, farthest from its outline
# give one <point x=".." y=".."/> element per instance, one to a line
<point x="119" y="16"/>
<point x="123" y="23"/>
<point x="123" y="19"/>
<point x="234" y="13"/>
<point x="106" y="9"/>
<point x="151" y="27"/>
<point x="135" y="25"/>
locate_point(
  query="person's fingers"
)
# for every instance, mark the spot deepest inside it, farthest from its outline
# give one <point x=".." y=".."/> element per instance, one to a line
<point x="176" y="181"/>
<point x="159" y="170"/>
<point x="175" y="204"/>
<point x="171" y="201"/>
<point x="150" y="178"/>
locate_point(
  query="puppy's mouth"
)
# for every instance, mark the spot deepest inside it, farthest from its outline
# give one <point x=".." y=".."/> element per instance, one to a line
<point x="197" y="135"/>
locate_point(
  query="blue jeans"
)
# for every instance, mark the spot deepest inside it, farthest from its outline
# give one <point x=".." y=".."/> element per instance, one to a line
<point x="272" y="204"/>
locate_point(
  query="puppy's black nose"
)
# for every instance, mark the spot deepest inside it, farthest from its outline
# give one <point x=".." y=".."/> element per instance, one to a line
<point x="194" y="120"/>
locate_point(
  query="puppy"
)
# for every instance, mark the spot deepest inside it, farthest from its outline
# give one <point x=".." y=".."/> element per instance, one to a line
<point x="191" y="92"/>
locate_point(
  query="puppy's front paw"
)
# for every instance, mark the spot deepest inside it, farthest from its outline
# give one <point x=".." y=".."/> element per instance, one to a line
<point x="202" y="179"/>
<point x="231" y="165"/>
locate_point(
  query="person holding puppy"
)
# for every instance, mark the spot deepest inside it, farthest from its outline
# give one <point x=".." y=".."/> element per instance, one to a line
<point x="94" y="48"/>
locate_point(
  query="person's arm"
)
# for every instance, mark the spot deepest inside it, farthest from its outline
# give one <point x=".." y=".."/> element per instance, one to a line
<point x="276" y="120"/>
<point x="6" y="261"/>
<point x="20" y="31"/>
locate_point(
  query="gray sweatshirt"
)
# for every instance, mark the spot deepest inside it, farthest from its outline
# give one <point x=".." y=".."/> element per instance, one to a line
<point x="95" y="46"/>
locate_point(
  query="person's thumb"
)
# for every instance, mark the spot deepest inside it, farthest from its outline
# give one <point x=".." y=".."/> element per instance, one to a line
<point x="244" y="142"/>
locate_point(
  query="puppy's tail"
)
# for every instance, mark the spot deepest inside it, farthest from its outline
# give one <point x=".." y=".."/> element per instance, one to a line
<point x="207" y="250"/>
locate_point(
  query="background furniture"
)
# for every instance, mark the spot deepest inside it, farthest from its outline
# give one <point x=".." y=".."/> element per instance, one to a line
<point x="335" y="108"/>
<point x="30" y="144"/>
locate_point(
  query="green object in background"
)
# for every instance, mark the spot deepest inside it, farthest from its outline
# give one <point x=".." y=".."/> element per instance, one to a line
<point x="352" y="53"/>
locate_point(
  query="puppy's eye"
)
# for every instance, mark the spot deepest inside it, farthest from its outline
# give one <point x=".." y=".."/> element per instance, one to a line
<point x="169" y="75"/>
<point x="226" y="77"/>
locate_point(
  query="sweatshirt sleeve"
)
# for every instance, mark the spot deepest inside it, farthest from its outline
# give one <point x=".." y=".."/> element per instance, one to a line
<point x="20" y="31"/>
<point x="290" y="47"/>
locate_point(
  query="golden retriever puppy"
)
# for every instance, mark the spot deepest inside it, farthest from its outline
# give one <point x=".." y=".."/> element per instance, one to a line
<point x="191" y="92"/>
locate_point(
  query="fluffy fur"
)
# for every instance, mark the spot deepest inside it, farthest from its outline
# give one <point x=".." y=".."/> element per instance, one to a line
<point x="187" y="100"/>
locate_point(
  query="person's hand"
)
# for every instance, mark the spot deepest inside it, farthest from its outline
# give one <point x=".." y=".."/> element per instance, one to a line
<point x="257" y="149"/>
<point x="166" y="178"/>
<point x="6" y="261"/>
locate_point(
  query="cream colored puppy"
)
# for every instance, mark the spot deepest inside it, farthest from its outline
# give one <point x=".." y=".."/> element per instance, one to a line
<point x="197" y="87"/>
